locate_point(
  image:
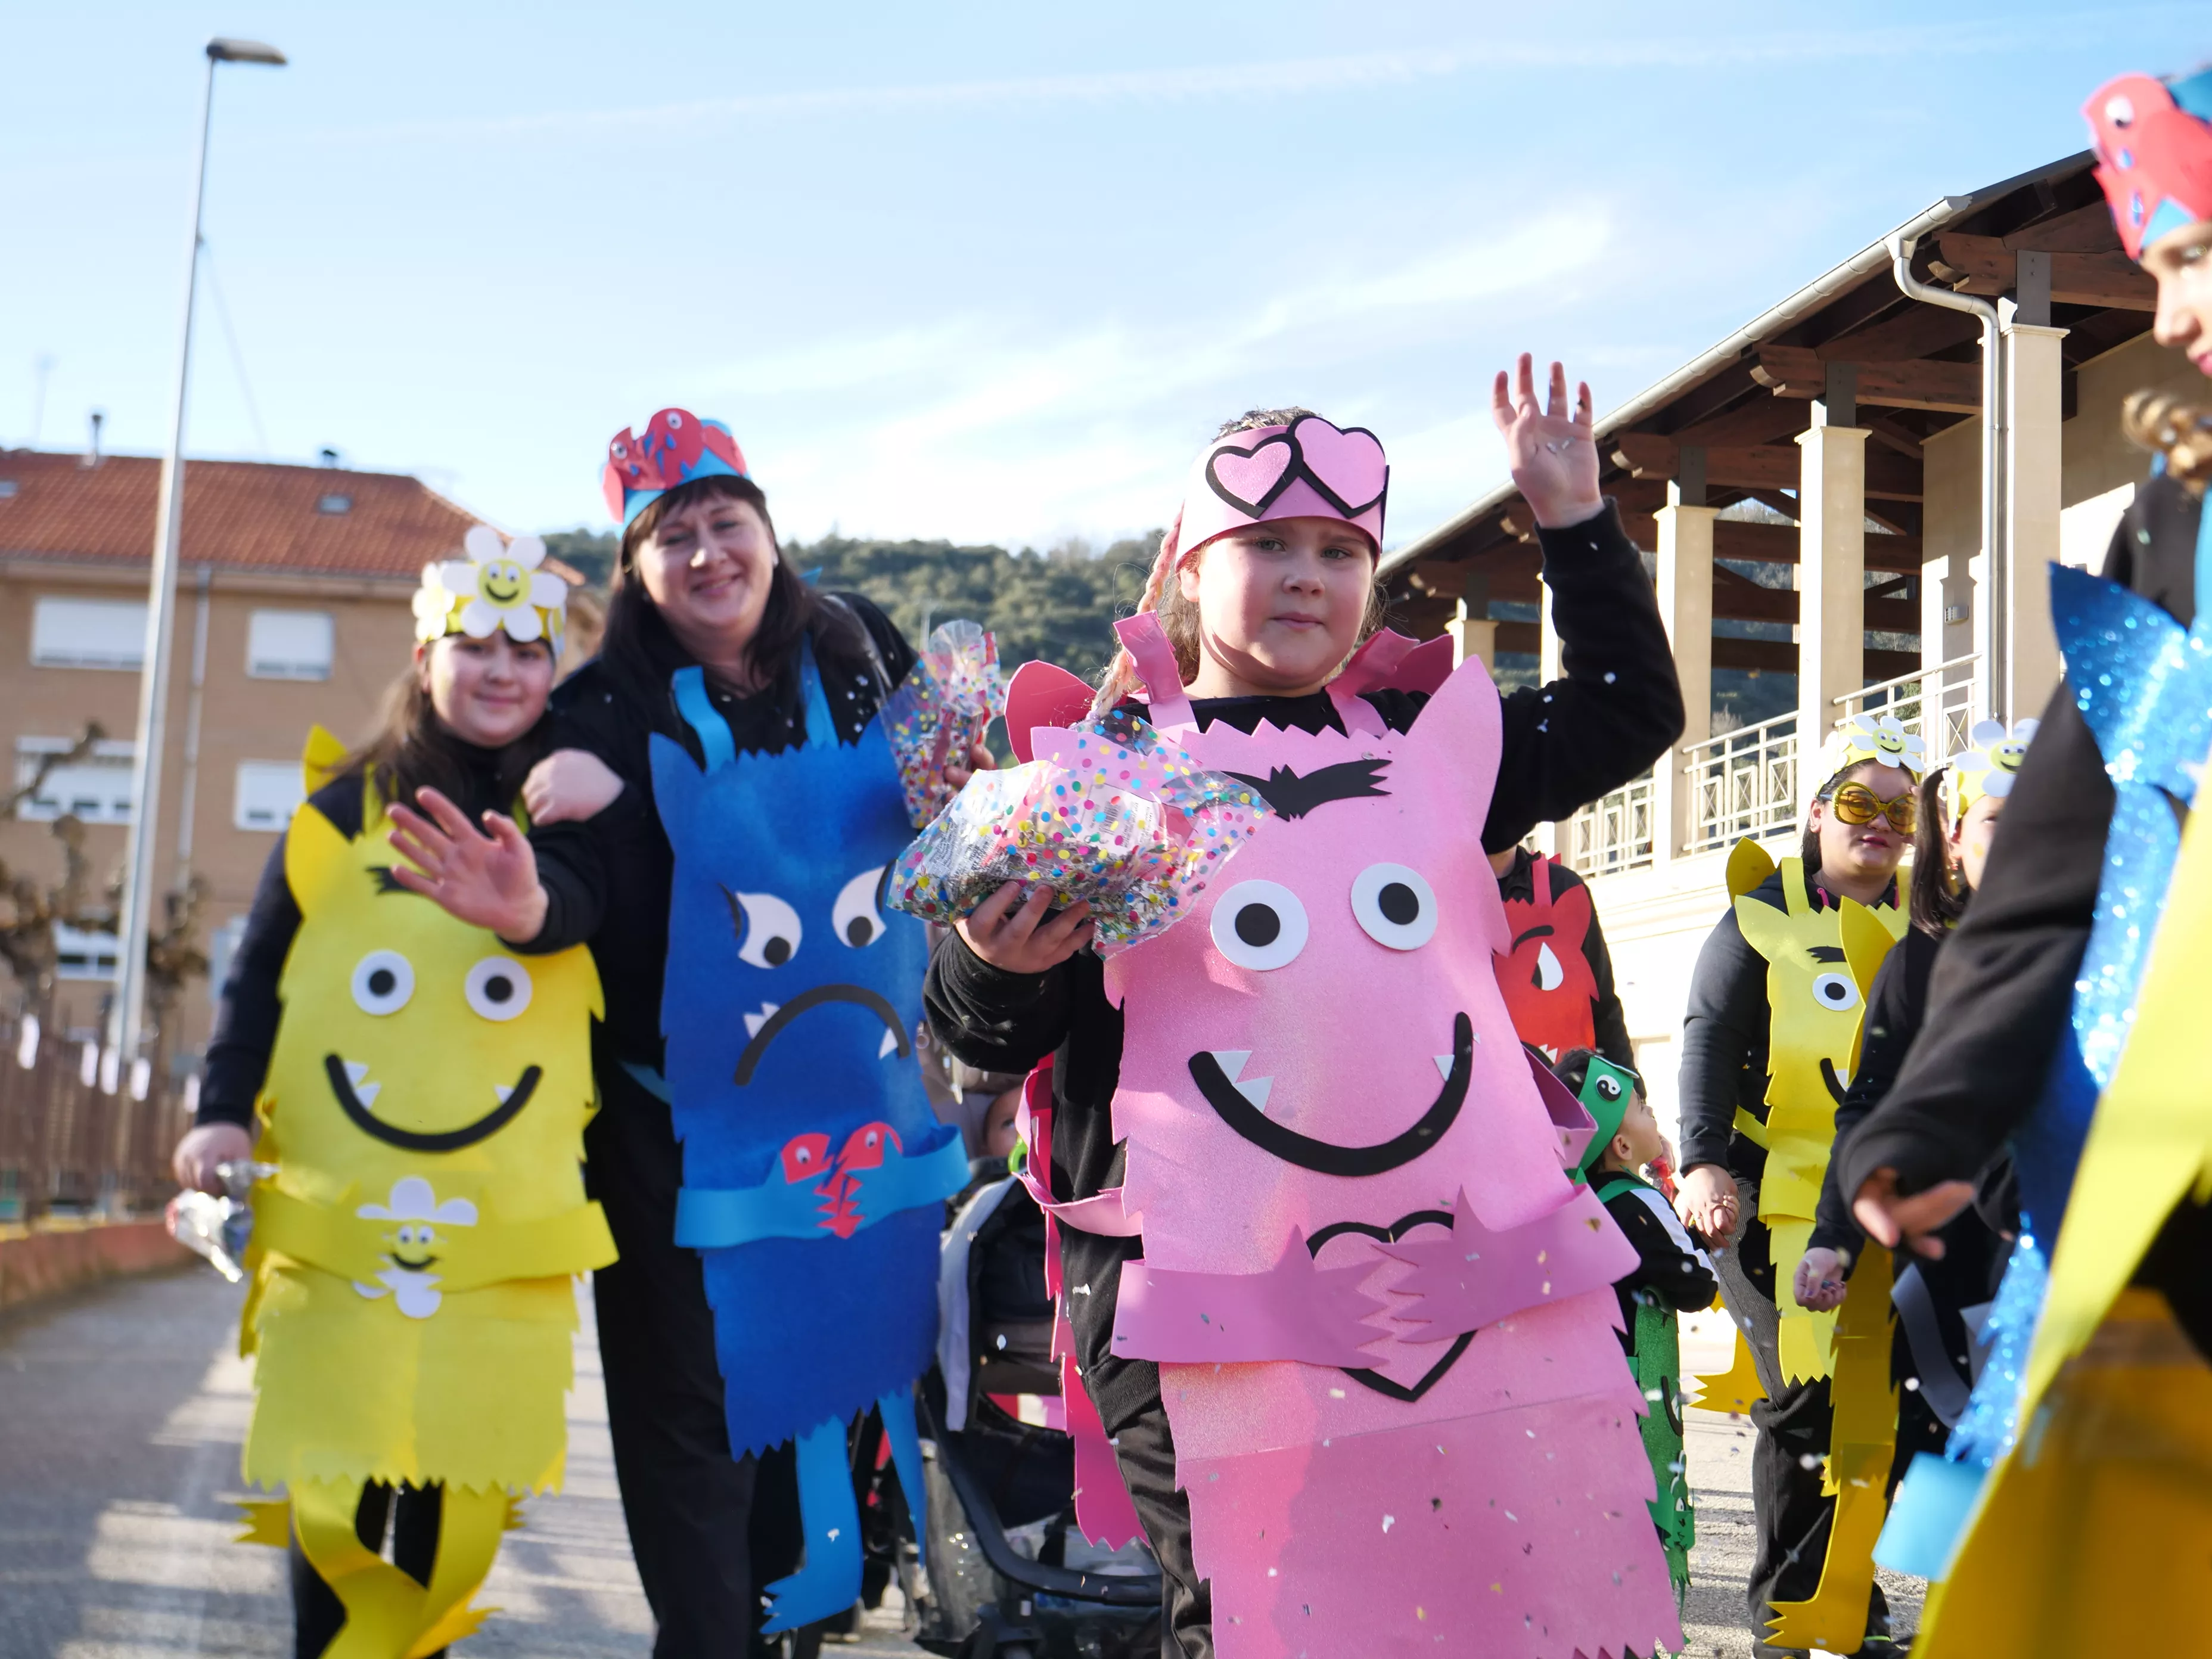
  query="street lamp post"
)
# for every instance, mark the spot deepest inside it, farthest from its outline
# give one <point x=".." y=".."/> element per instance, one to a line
<point x="126" y="1018"/>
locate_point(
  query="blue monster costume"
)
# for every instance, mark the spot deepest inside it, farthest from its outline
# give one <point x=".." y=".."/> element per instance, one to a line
<point x="813" y="1168"/>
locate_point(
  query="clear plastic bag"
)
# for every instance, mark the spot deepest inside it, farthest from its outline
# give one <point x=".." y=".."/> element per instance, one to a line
<point x="1109" y="814"/>
<point x="220" y="1228"/>
<point x="941" y="710"/>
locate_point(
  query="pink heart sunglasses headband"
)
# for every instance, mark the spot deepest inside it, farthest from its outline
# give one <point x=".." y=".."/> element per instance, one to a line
<point x="1310" y="468"/>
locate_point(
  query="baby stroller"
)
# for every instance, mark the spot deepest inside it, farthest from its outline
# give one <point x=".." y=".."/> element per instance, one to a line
<point x="1009" y="1574"/>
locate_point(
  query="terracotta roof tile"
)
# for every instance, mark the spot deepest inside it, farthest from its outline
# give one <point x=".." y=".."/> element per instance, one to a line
<point x="239" y="515"/>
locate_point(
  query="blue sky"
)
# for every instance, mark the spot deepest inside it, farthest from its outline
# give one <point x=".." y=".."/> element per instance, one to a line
<point x="982" y="272"/>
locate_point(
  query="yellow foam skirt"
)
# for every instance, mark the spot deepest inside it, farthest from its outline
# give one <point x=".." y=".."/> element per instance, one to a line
<point x="348" y="1389"/>
<point x="2095" y="1535"/>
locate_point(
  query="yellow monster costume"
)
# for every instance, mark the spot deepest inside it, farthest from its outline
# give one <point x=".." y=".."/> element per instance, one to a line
<point x="413" y="1308"/>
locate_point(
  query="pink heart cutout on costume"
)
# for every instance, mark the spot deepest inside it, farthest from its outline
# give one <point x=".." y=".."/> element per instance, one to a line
<point x="1250" y="479"/>
<point x="1347" y="463"/>
<point x="1405" y="1370"/>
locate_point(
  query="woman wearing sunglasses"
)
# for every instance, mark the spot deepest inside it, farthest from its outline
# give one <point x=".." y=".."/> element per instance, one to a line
<point x="1856" y="832"/>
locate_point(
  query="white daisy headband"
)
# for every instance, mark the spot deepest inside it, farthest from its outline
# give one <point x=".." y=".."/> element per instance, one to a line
<point x="498" y="586"/>
<point x="1989" y="767"/>
<point x="1881" y="738"/>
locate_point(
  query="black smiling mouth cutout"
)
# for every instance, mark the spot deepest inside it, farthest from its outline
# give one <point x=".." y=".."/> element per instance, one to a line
<point x="1828" y="1076"/>
<point x="422" y="1266"/>
<point x="1327" y="1157"/>
<point x="419" y="1140"/>
<point x="815" y="997"/>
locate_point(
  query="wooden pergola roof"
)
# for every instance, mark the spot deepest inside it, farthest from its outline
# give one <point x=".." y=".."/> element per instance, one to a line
<point x="1745" y="401"/>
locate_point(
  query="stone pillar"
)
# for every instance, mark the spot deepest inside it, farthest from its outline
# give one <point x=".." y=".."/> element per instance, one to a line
<point x="1685" y="606"/>
<point x="2033" y="413"/>
<point x="1473" y="633"/>
<point x="1831" y="584"/>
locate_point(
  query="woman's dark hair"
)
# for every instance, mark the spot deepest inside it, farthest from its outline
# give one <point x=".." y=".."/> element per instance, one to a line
<point x="414" y="749"/>
<point x="641" y="650"/>
<point x="1939" y="898"/>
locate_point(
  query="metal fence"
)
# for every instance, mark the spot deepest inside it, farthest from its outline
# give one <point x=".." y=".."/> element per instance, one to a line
<point x="1741" y="783"/>
<point x="1613" y="833"/>
<point x="1936" y="704"/>
<point x="75" y="1141"/>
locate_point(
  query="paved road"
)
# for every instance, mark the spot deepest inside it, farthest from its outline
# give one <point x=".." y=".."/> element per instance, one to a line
<point x="121" y="1417"/>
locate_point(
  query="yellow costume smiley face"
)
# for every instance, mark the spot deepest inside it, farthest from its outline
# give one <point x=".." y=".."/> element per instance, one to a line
<point x="503" y="582"/>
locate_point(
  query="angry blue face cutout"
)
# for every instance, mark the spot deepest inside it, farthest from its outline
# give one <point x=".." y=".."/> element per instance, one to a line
<point x="813" y="1168"/>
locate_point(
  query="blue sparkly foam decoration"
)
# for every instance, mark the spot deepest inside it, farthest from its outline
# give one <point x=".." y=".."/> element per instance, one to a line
<point x="2143" y="684"/>
<point x="805" y="1329"/>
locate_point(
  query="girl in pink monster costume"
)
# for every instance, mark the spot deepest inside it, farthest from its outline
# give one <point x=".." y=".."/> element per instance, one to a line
<point x="1345" y="1320"/>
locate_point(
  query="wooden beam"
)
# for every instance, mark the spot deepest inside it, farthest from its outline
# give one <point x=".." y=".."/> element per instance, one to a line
<point x="1985" y="264"/>
<point x="1780" y="656"/>
<point x="1801" y="371"/>
<point x="1777" y="544"/>
<point x="1738" y="599"/>
<point x="1763" y="466"/>
<point x="1888" y="429"/>
<point x="2085" y="230"/>
<point x="1918" y="332"/>
<point x="1525" y="638"/>
<point x="1761" y="421"/>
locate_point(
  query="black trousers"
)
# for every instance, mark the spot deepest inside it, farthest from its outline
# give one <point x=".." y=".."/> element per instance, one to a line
<point x="317" y="1613"/>
<point x="705" y="1529"/>
<point x="1145" y="1447"/>
<point x="1790" y="1514"/>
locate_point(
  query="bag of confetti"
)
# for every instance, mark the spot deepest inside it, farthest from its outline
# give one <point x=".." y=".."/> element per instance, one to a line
<point x="1108" y="814"/>
<point x="220" y="1228"/>
<point x="940" y="711"/>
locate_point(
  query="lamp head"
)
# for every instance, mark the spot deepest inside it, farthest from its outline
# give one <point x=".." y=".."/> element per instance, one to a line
<point x="224" y="50"/>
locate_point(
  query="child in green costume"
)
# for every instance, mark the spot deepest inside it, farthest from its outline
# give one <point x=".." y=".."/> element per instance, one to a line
<point x="1672" y="1277"/>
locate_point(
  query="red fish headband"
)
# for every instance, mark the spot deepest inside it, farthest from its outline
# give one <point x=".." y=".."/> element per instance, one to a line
<point x="2154" y="144"/>
<point x="678" y="448"/>
<point x="1308" y="470"/>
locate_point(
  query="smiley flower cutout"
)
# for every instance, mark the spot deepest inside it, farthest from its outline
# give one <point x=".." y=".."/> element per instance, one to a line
<point x="1883" y="738"/>
<point x="1988" y="768"/>
<point x="414" y="1205"/>
<point x="499" y="586"/>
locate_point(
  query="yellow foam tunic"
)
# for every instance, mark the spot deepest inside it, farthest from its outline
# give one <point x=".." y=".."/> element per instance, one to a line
<point x="425" y="1106"/>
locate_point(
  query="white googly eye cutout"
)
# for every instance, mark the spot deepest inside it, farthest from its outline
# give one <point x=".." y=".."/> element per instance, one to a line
<point x="1260" y="925"/>
<point x="1836" y="993"/>
<point x="1549" y="974"/>
<point x="382" y="982"/>
<point x="620" y="449"/>
<point x="675" y="420"/>
<point x="2120" y="110"/>
<point x="498" y="987"/>
<point x="854" y="916"/>
<point x="1395" y="906"/>
<point x="767" y="929"/>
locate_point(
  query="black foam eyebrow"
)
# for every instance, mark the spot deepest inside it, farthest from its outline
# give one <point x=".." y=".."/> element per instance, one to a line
<point x="385" y="882"/>
<point x="1825" y="952"/>
<point x="1294" y="796"/>
<point x="1541" y="930"/>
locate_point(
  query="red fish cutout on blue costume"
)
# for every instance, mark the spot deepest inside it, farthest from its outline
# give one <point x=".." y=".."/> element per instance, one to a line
<point x="1545" y="978"/>
<point x="676" y="448"/>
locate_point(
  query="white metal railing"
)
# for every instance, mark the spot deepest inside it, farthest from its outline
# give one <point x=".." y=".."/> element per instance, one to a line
<point x="1741" y="783"/>
<point x="1613" y="833"/>
<point x="1936" y="704"/>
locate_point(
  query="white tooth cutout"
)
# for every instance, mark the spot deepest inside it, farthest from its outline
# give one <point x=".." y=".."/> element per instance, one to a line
<point x="1231" y="1060"/>
<point x="366" y="1093"/>
<point x="889" y="1046"/>
<point x="1444" y="1065"/>
<point x="502" y="1090"/>
<point x="754" y="1022"/>
<point x="354" y="1071"/>
<point x="1255" y="1090"/>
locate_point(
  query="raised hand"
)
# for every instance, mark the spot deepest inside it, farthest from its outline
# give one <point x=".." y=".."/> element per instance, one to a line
<point x="1551" y="450"/>
<point x="486" y="880"/>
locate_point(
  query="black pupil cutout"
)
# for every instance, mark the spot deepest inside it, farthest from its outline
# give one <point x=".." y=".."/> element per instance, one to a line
<point x="1833" y="992"/>
<point x="1258" y="925"/>
<point x="1399" y="904"/>
<point x="777" y="950"/>
<point x="498" y="988"/>
<point x="382" y="982"/>
<point x="858" y="931"/>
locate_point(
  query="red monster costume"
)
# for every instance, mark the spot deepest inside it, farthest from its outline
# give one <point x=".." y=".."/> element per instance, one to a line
<point x="1545" y="978"/>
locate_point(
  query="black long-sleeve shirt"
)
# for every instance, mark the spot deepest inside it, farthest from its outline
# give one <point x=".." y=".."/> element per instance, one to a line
<point x="1606" y="1018"/>
<point x="1895" y="1008"/>
<point x="1618" y="707"/>
<point x="1669" y="1266"/>
<point x="248" y="1014"/>
<point x="2004" y="988"/>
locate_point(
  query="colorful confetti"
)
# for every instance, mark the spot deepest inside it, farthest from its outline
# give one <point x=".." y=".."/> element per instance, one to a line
<point x="1109" y="814"/>
<point x="940" y="711"/>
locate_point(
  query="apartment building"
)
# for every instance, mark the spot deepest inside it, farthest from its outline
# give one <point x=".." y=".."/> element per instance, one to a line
<point x="1813" y="493"/>
<point x="292" y="609"/>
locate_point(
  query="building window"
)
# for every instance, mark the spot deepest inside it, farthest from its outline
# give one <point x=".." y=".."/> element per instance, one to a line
<point x="79" y="954"/>
<point x="96" y="788"/>
<point x="335" y="504"/>
<point x="268" y="790"/>
<point x="288" y="645"/>
<point x="88" y="634"/>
